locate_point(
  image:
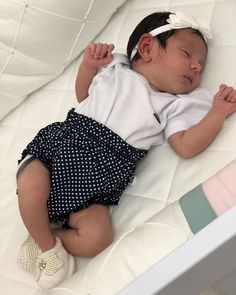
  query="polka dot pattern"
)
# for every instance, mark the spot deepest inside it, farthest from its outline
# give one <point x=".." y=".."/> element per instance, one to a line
<point x="88" y="163"/>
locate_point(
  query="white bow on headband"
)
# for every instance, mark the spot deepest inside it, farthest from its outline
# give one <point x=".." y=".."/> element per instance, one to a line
<point x="180" y="21"/>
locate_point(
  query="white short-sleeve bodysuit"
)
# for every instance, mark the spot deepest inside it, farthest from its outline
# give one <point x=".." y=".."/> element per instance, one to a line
<point x="123" y="101"/>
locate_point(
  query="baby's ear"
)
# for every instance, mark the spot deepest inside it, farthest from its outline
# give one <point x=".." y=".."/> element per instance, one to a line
<point x="145" y="46"/>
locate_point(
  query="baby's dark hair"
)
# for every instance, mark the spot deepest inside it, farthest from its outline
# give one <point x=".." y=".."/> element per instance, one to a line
<point x="149" y="23"/>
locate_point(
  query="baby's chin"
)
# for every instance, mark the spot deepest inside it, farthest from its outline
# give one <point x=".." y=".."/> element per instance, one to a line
<point x="182" y="89"/>
<point x="175" y="89"/>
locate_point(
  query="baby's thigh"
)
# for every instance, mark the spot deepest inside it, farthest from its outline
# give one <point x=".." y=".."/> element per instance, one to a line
<point x="94" y="223"/>
<point x="34" y="177"/>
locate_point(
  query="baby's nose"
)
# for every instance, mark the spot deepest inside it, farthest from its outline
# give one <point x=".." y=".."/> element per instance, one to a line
<point x="196" y="66"/>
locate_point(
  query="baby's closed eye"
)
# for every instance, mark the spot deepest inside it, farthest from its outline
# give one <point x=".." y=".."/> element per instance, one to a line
<point x="185" y="52"/>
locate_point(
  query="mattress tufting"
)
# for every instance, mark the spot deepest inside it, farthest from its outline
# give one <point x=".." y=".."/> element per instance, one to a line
<point x="38" y="39"/>
<point x="145" y="231"/>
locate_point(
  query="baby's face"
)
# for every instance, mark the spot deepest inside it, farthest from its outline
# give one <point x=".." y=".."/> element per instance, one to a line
<point x="177" y="68"/>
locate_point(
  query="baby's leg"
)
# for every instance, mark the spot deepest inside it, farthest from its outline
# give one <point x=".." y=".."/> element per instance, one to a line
<point x="44" y="255"/>
<point x="33" y="186"/>
<point x="90" y="233"/>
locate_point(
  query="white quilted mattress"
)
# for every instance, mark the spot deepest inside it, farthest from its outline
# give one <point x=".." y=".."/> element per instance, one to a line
<point x="161" y="178"/>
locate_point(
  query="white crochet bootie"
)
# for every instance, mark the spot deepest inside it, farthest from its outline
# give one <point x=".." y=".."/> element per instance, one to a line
<point x="53" y="266"/>
<point x="27" y="255"/>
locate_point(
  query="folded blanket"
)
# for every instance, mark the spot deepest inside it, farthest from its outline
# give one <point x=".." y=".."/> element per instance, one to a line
<point x="210" y="199"/>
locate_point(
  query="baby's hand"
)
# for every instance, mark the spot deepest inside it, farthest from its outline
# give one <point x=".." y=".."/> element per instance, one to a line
<point x="98" y="54"/>
<point x="225" y="100"/>
<point x="228" y="92"/>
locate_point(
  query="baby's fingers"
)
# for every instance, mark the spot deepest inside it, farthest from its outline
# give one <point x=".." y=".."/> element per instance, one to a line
<point x="102" y="50"/>
<point x="110" y="49"/>
<point x="232" y="96"/>
<point x="222" y="87"/>
<point x="224" y="92"/>
<point x="92" y="47"/>
<point x="97" y="50"/>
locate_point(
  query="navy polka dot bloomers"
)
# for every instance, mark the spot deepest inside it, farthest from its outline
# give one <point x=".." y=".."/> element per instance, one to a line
<point x="88" y="163"/>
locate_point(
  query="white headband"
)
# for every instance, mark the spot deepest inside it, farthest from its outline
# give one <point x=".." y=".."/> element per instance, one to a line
<point x="179" y="21"/>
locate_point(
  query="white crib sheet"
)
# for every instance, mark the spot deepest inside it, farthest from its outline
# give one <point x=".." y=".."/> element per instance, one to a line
<point x="161" y="177"/>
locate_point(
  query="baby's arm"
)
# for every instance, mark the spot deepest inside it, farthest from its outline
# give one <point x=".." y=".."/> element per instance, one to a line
<point x="188" y="143"/>
<point x="95" y="55"/>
